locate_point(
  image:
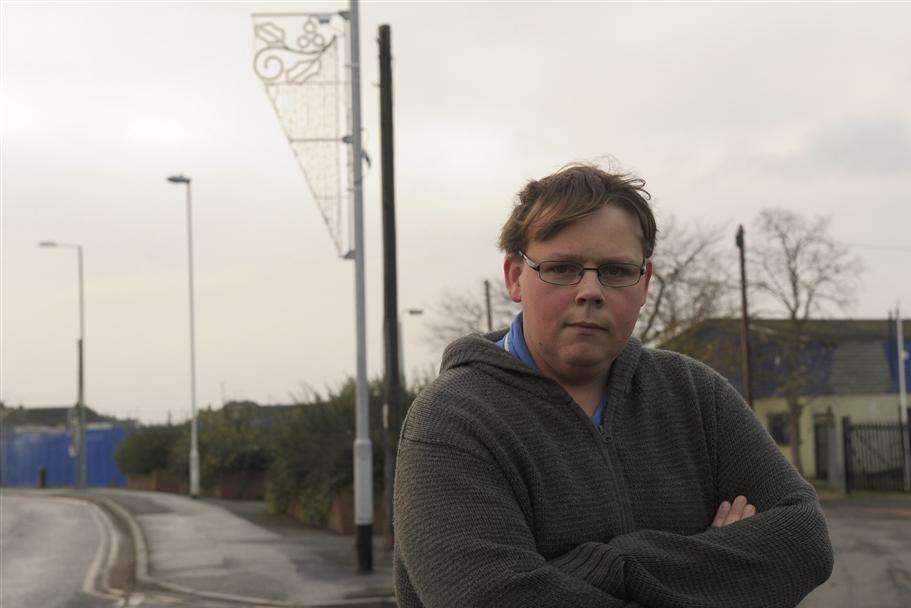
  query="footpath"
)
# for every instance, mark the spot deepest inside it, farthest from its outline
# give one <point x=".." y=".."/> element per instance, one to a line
<point x="235" y="551"/>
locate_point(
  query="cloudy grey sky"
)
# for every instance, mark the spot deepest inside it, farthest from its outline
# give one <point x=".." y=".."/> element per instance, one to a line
<point x="723" y="109"/>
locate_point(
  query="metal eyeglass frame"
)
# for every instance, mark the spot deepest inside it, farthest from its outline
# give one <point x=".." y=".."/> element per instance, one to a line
<point x="536" y="266"/>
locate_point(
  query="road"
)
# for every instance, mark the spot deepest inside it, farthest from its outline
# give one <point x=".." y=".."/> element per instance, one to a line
<point x="51" y="552"/>
<point x="57" y="551"/>
<point x="60" y="551"/>
<point x="871" y="536"/>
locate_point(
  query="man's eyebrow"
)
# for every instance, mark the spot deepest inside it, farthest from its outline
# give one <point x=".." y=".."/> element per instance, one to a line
<point x="622" y="261"/>
<point x="560" y="256"/>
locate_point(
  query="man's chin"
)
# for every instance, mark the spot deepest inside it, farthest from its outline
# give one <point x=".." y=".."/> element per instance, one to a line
<point x="585" y="357"/>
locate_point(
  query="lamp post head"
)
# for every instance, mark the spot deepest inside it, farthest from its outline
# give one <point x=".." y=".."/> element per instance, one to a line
<point x="414" y="311"/>
<point x="179" y="179"/>
<point x="47" y="244"/>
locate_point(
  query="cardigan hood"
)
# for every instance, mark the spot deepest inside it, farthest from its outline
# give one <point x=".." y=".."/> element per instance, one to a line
<point x="481" y="351"/>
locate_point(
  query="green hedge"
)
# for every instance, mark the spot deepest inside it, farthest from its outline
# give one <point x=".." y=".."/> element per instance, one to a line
<point x="146" y="449"/>
<point x="305" y="449"/>
<point x="234" y="439"/>
<point x="313" y="452"/>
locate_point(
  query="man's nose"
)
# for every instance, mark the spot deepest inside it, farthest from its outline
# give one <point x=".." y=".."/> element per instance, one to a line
<point x="589" y="290"/>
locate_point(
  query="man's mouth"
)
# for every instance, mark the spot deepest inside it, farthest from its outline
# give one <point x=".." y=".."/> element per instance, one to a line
<point x="588" y="325"/>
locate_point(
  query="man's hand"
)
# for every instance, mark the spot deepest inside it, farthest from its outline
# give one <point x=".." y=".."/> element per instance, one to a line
<point x="729" y="513"/>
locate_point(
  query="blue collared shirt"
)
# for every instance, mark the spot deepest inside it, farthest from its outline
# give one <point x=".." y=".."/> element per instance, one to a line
<point x="514" y="342"/>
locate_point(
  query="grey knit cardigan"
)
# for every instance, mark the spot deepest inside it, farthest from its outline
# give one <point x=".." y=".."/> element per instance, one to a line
<point x="507" y="495"/>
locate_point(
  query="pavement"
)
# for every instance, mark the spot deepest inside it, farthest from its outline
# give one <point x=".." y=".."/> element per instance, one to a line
<point x="237" y="553"/>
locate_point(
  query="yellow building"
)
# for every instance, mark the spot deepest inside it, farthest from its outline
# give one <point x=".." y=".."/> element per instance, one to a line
<point x="848" y="370"/>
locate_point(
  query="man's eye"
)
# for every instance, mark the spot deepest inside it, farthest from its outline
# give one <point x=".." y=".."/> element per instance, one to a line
<point x="563" y="268"/>
<point x="617" y="270"/>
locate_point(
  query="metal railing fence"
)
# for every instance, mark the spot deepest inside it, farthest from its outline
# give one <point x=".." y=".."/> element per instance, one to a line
<point x="874" y="457"/>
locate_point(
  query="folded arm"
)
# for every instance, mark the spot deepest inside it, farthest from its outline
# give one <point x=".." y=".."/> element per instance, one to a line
<point x="772" y="559"/>
<point x="464" y="541"/>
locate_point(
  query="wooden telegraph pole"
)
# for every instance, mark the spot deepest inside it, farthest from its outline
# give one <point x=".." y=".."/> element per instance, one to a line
<point x="487" y="301"/>
<point x="745" y="359"/>
<point x="390" y="300"/>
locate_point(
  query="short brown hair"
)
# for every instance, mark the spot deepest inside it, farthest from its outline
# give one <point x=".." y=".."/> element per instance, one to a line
<point x="546" y="206"/>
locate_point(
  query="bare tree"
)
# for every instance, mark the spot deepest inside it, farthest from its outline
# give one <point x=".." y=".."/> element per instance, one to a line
<point x="689" y="282"/>
<point x="459" y="314"/>
<point x="803" y="273"/>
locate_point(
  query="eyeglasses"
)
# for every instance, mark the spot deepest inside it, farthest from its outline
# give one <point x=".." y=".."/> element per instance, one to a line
<point x="612" y="274"/>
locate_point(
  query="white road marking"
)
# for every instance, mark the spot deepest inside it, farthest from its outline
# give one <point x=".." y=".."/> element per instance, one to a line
<point x="107" y="546"/>
<point x="88" y="585"/>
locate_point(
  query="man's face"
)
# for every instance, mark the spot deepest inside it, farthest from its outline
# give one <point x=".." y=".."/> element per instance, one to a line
<point x="574" y="332"/>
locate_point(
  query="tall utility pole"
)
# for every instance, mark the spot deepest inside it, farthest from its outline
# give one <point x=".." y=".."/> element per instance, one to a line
<point x="363" y="449"/>
<point x="391" y="328"/>
<point x="745" y="358"/>
<point x="903" y="395"/>
<point x="194" y="446"/>
<point x="81" y="466"/>
<point x="487" y="300"/>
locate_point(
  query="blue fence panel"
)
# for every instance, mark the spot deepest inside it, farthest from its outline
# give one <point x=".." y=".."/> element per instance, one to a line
<point x="100" y="447"/>
<point x="24" y="452"/>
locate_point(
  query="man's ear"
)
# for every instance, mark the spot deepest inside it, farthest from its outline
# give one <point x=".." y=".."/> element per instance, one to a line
<point x="512" y="269"/>
<point x="645" y="281"/>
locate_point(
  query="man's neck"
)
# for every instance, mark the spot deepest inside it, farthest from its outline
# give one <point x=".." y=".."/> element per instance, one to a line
<point x="585" y="384"/>
<point x="588" y="397"/>
<point x="585" y="387"/>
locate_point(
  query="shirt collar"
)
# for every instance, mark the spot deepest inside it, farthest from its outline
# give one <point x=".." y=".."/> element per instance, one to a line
<point x="514" y="342"/>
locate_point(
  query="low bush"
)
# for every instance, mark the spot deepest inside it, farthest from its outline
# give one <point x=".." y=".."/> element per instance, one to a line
<point x="312" y="458"/>
<point x="234" y="439"/>
<point x="306" y="450"/>
<point x="146" y="449"/>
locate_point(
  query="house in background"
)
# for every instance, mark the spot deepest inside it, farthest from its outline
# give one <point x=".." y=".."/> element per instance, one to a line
<point x="851" y="370"/>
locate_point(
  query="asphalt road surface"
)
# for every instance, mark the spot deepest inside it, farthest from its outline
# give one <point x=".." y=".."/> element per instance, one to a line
<point x="871" y="536"/>
<point x="51" y="549"/>
<point x="56" y="551"/>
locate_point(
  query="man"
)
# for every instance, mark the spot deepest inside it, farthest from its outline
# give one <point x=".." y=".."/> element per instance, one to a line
<point x="560" y="463"/>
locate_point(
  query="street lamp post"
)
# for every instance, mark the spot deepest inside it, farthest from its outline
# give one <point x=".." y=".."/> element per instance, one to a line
<point x="81" y="469"/>
<point x="194" y="447"/>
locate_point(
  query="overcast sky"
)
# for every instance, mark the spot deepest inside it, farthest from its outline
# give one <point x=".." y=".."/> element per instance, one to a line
<point x="723" y="109"/>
